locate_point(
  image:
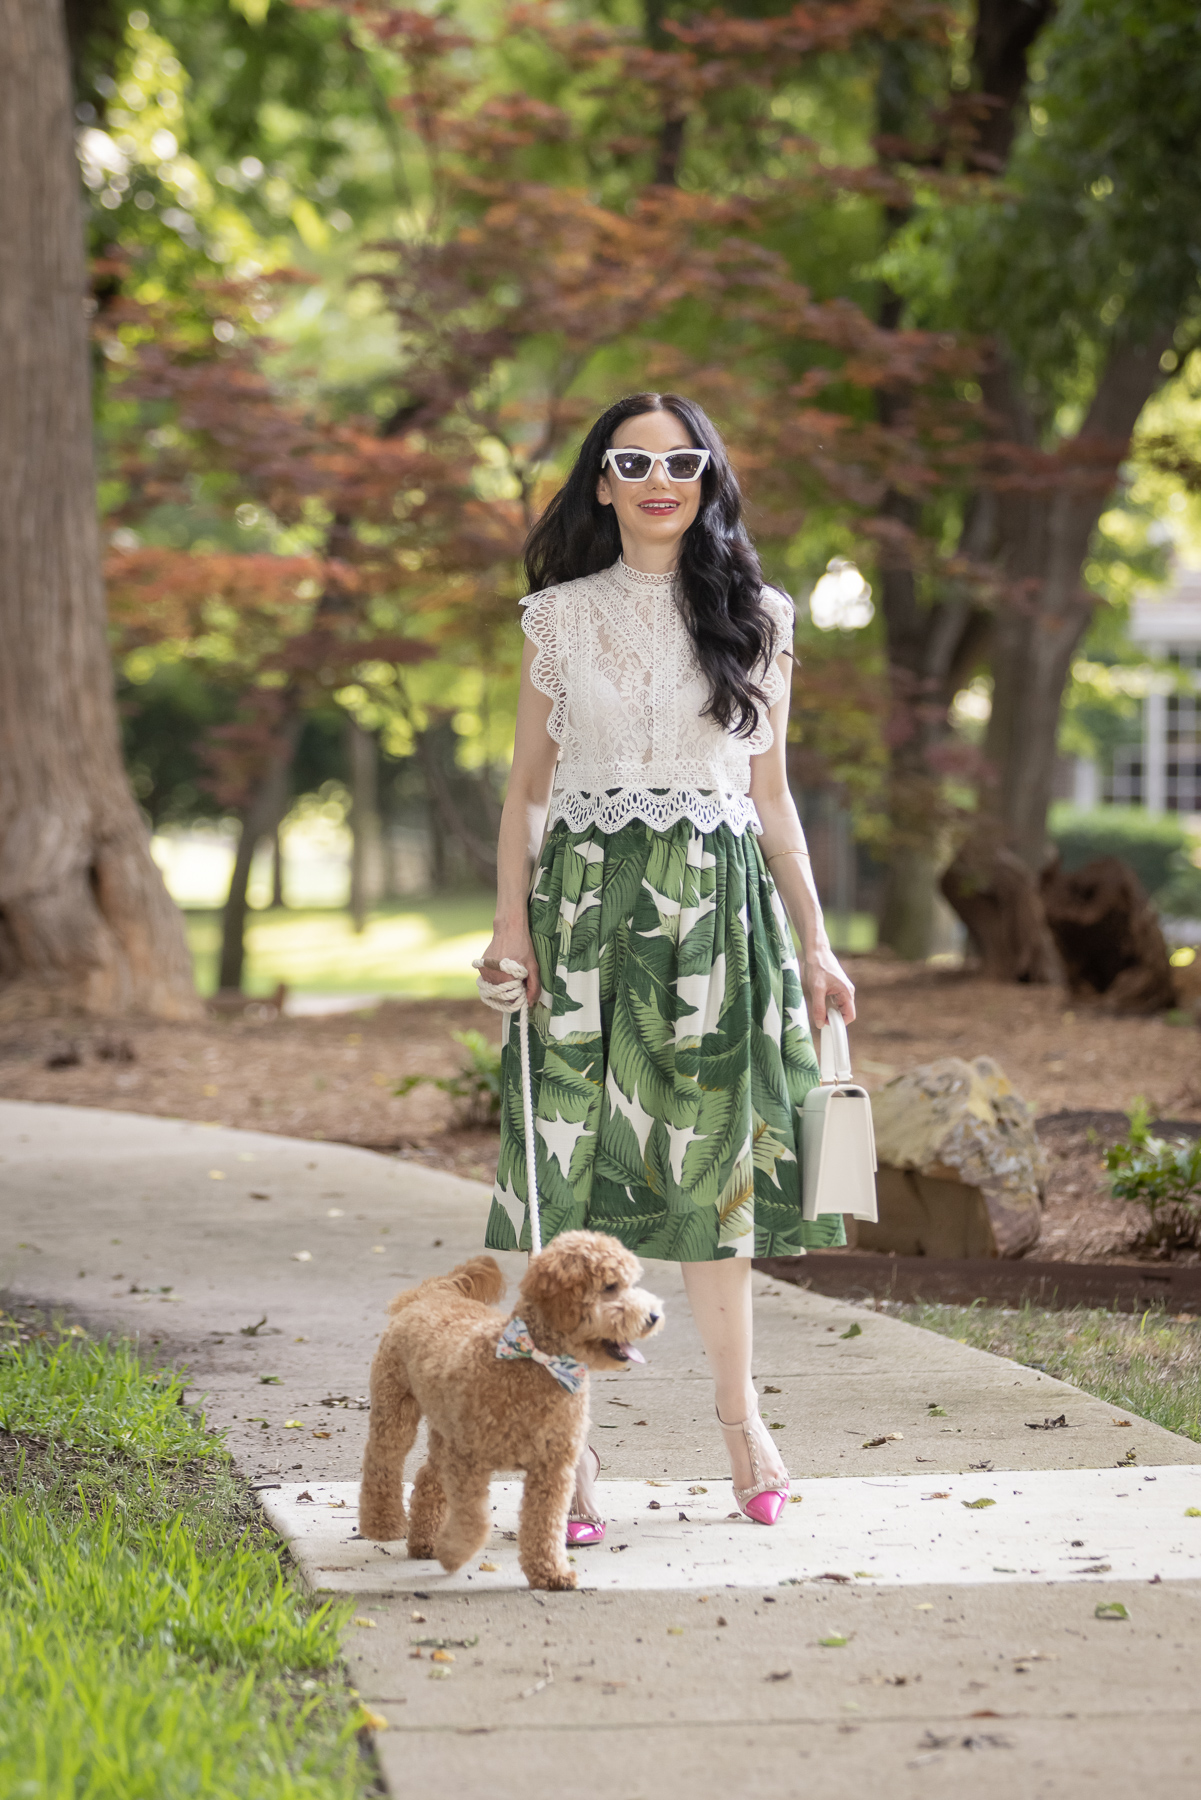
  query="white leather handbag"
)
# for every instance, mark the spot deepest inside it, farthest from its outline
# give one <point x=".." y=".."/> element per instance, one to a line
<point x="838" y="1173"/>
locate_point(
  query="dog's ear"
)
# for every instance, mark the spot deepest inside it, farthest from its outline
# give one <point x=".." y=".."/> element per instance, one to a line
<point x="562" y="1278"/>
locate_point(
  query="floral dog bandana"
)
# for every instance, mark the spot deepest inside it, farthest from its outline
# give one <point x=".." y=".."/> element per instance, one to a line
<point x="515" y="1341"/>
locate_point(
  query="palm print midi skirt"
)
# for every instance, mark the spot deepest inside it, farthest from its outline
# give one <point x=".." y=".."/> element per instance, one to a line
<point x="669" y="1050"/>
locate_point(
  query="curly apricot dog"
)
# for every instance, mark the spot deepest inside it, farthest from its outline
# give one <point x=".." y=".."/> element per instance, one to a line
<point x="491" y="1400"/>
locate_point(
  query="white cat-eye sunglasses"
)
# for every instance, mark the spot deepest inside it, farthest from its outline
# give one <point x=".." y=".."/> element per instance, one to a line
<point x="636" y="465"/>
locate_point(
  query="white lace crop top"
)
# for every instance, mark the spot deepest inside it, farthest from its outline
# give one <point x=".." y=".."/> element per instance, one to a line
<point x="615" y="657"/>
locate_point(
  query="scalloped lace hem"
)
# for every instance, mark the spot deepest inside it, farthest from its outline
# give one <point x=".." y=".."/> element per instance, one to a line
<point x="660" y="810"/>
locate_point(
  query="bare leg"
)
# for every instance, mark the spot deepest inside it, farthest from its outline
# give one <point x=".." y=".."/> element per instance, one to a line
<point x="719" y="1294"/>
<point x="585" y="1504"/>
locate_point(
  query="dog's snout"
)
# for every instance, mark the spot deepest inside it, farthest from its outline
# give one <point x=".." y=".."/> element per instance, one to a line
<point x="653" y="1318"/>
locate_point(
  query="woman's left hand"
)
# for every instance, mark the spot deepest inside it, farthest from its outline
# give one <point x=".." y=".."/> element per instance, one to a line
<point x="824" y="980"/>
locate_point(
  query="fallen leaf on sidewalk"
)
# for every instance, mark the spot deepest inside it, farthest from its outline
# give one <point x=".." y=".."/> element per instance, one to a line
<point x="271" y="1380"/>
<point x="439" y="1675"/>
<point x="773" y="1390"/>
<point x="936" y="1411"/>
<point x="489" y="1568"/>
<point x="698" y="1490"/>
<point x="890" y="1437"/>
<point x="371" y="1721"/>
<point x="302" y="1256"/>
<point x="924" y="1606"/>
<point x="675" y="1631"/>
<point x="938" y="1496"/>
<point x="780" y="1675"/>
<point x="832" y="1577"/>
<point x="325" y="1434"/>
<point x="1059" y="1424"/>
<point x="252" y="1330"/>
<point x="1111" y="1609"/>
<point x="305" y="1496"/>
<point x="1094" y="1569"/>
<point x="1192" y="1512"/>
<point x="836" y="1642"/>
<point x="1123" y="1423"/>
<point x="336" y="1505"/>
<point x="855" y="1330"/>
<point x="976" y="1505"/>
<point x="614" y="1548"/>
<point x="293" y="1424"/>
<point x="369" y="1623"/>
<point x="651" y="1483"/>
<point x="442" y="1656"/>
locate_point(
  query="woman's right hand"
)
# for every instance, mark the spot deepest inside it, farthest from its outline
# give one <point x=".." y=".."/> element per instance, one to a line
<point x="512" y="946"/>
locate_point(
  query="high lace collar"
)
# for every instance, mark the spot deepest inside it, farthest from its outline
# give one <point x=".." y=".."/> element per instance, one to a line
<point x="638" y="579"/>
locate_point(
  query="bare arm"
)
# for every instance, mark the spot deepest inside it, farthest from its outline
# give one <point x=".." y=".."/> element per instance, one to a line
<point x="783" y="847"/>
<point x="522" y="821"/>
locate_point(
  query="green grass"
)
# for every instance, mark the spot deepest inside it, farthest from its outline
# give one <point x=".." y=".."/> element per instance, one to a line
<point x="152" y="1643"/>
<point x="421" y="949"/>
<point x="1147" y="1362"/>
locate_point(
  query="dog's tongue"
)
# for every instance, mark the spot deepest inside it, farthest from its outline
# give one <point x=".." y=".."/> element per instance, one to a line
<point x="630" y="1353"/>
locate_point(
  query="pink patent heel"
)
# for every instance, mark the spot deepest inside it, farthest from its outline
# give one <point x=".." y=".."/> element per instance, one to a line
<point x="582" y="1529"/>
<point x="765" y="1499"/>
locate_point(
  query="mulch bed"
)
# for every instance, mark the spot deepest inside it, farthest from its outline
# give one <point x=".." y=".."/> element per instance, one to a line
<point x="333" y="1077"/>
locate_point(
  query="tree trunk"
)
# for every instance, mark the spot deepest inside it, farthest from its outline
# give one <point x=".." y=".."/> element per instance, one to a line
<point x="1043" y="538"/>
<point x="998" y="900"/>
<point x="363" y="757"/>
<point x="277" y="870"/>
<point x="85" y="921"/>
<point x="261" y="819"/>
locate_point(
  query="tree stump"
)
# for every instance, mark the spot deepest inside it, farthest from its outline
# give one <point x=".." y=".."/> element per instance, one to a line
<point x="1107" y="933"/>
<point x="997" y="898"/>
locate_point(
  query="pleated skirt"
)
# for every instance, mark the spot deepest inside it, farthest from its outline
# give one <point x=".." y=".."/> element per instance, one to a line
<point x="670" y="1051"/>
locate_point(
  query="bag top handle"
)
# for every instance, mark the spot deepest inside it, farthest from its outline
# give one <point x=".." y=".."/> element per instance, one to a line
<point x="835" y="1047"/>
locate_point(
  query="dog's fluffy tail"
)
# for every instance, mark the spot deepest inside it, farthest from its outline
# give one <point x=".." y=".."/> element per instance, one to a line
<point x="479" y="1279"/>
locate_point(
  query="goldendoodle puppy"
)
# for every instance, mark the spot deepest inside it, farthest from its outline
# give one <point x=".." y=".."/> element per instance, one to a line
<point x="498" y="1394"/>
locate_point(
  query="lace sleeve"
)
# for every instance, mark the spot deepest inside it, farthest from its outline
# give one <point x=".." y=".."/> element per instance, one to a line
<point x="540" y="622"/>
<point x="774" y="683"/>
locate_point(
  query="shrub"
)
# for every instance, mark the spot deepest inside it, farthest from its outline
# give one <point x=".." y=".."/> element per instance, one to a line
<point x="1164" y="1177"/>
<point x="476" y="1087"/>
<point x="1156" y="845"/>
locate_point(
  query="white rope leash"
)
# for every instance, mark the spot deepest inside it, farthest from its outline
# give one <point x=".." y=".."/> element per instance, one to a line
<point x="508" y="997"/>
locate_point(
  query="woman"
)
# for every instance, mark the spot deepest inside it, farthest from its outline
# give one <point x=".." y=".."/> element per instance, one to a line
<point x="669" y="1052"/>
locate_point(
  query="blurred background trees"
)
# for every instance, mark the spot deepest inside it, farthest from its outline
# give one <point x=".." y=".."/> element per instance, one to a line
<point x="362" y="273"/>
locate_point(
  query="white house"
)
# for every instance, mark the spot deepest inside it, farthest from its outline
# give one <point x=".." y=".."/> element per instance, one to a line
<point x="1163" y="772"/>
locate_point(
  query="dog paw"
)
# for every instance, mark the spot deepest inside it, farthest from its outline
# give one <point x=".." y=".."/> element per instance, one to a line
<point x="382" y="1528"/>
<point x="553" y="1580"/>
<point x="420" y="1549"/>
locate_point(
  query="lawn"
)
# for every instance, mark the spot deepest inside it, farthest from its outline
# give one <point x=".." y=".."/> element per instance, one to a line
<point x="1149" y="1363"/>
<point x="420" y="949"/>
<point x="152" y="1642"/>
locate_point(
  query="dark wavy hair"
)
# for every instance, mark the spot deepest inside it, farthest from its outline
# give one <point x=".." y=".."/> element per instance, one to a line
<point x="720" y="580"/>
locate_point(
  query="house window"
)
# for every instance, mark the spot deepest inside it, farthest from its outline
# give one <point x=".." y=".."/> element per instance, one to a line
<point x="1124" y="786"/>
<point x="1183" y="783"/>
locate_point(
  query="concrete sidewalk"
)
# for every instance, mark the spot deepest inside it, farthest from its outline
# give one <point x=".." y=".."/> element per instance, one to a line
<point x="266" y="1263"/>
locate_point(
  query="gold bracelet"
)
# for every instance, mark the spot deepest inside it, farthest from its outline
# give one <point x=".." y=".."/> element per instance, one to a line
<point x="782" y="853"/>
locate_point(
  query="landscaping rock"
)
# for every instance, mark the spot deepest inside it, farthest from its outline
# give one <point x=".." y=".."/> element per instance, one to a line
<point x="961" y="1171"/>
